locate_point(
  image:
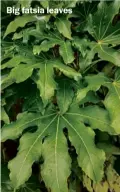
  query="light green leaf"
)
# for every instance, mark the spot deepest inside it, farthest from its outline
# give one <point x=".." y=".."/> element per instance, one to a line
<point x="103" y="186"/>
<point x="17" y="74"/>
<point x="45" y="81"/>
<point x="20" y="21"/>
<point x="44" y="46"/>
<point x="4" y="116"/>
<point x="64" y="26"/>
<point x="14" y="61"/>
<point x="64" y="96"/>
<point x="109" y="149"/>
<point x="25" y="3"/>
<point x="97" y="118"/>
<point x="113" y="179"/>
<point x="108" y="54"/>
<point x="87" y="183"/>
<point x="45" y="3"/>
<point x="66" y="52"/>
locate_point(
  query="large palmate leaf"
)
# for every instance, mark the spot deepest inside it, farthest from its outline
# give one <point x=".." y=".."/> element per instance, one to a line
<point x="44" y="77"/>
<point x="50" y="143"/>
<point x="104" y="32"/>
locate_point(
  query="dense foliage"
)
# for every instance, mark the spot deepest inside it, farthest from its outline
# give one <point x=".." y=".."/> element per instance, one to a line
<point x="61" y="97"/>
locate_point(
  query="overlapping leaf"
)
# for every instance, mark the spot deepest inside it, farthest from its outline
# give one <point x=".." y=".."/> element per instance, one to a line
<point x="100" y="26"/>
<point x="44" y="77"/>
<point x="112" y="99"/>
<point x="20" y="21"/>
<point x="65" y="49"/>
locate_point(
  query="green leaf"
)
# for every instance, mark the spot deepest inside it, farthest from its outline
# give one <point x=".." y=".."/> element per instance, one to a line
<point x="104" y="32"/>
<point x="66" y="52"/>
<point x="25" y="3"/>
<point x="33" y="102"/>
<point x="56" y="169"/>
<point x="50" y="133"/>
<point x="44" y="46"/>
<point x="87" y="183"/>
<point x="14" y="61"/>
<point x="44" y="77"/>
<point x="65" y="49"/>
<point x="109" y="149"/>
<point x="108" y="54"/>
<point x="64" y="96"/>
<point x="112" y="99"/>
<point x="113" y="179"/>
<point x="112" y="102"/>
<point x="93" y="82"/>
<point x="97" y="118"/>
<point x="45" y="81"/>
<point x="103" y="186"/>
<point x="18" y="74"/>
<point x="64" y="26"/>
<point x="45" y="4"/>
<point x="100" y="24"/>
<point x="6" y="184"/>
<point x="81" y="12"/>
<point x="20" y="21"/>
<point x="4" y="116"/>
<point x="88" y="154"/>
<point x="87" y="51"/>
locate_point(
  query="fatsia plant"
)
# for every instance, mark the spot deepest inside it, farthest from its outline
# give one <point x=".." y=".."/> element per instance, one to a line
<point x="61" y="95"/>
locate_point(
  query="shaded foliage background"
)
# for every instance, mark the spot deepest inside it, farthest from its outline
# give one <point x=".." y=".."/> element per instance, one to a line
<point x="80" y="47"/>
